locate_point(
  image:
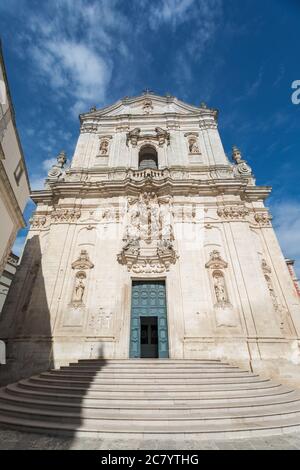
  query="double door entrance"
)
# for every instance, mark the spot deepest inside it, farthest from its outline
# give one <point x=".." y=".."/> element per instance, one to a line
<point x="149" y="327"/>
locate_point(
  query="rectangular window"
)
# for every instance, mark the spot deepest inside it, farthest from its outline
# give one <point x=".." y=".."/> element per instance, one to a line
<point x="19" y="172"/>
<point x="2" y="156"/>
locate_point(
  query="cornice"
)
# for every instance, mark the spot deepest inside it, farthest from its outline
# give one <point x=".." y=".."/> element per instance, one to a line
<point x="190" y="109"/>
<point x="167" y="185"/>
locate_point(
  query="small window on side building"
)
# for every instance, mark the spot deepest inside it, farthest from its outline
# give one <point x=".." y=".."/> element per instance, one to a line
<point x="19" y="172"/>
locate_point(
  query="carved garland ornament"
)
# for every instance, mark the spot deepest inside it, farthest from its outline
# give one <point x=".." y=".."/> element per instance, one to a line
<point x="233" y="212"/>
<point x="38" y="222"/>
<point x="65" y="215"/>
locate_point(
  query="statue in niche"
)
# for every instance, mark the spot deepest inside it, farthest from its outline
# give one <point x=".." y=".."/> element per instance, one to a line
<point x="79" y="289"/>
<point x="220" y="290"/>
<point x="193" y="146"/>
<point x="104" y="147"/>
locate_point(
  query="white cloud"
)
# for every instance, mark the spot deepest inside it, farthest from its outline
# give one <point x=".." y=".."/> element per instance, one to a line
<point x="170" y="11"/>
<point x="47" y="164"/>
<point x="202" y="15"/>
<point x="37" y="182"/>
<point x="72" y="52"/>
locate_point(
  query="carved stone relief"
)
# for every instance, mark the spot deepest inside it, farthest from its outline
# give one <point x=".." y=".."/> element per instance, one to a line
<point x="206" y="124"/>
<point x="148" y="239"/>
<point x="65" y="215"/>
<point x="38" y="222"/>
<point x="161" y="137"/>
<point x="100" y="321"/>
<point x="281" y="310"/>
<point x="147" y="105"/>
<point x="233" y="212"/>
<point x="88" y="127"/>
<point x="83" y="261"/>
<point x="216" y="261"/>
<point x="263" y="218"/>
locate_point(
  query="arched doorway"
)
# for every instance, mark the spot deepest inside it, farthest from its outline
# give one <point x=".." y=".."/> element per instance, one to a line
<point x="148" y="157"/>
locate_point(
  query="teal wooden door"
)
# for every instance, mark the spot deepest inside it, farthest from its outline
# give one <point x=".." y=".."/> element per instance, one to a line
<point x="148" y="299"/>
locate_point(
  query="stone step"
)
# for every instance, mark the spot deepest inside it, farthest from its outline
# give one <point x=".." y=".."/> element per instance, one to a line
<point x="116" y="380"/>
<point x="13" y="392"/>
<point x="151" y="370"/>
<point x="211" y="431"/>
<point x="146" y="418"/>
<point x="49" y="380"/>
<point x="151" y="366"/>
<point x="163" y="375"/>
<point x="191" y="391"/>
<point x="26" y="388"/>
<point x="156" y="362"/>
<point x="150" y="397"/>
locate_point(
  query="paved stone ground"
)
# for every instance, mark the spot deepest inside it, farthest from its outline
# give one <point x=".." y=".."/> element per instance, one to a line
<point x="15" y="440"/>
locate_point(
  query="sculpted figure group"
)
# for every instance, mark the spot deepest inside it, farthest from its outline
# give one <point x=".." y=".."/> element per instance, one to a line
<point x="149" y="219"/>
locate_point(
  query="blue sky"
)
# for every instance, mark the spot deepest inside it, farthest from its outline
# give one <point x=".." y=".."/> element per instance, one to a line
<point x="241" y="57"/>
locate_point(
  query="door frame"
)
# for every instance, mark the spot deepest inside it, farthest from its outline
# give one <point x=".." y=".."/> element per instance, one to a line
<point x="143" y="279"/>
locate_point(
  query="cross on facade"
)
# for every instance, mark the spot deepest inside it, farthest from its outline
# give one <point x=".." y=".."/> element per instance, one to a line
<point x="147" y="91"/>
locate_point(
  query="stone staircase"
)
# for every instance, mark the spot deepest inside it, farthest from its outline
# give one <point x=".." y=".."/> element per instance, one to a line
<point x="150" y="398"/>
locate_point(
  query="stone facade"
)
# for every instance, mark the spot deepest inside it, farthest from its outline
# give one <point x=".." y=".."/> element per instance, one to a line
<point x="191" y="218"/>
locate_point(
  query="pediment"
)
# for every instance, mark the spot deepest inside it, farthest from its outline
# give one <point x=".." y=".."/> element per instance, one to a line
<point x="147" y="104"/>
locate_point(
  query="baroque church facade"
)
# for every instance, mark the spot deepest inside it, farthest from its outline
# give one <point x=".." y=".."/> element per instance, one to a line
<point x="152" y="244"/>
